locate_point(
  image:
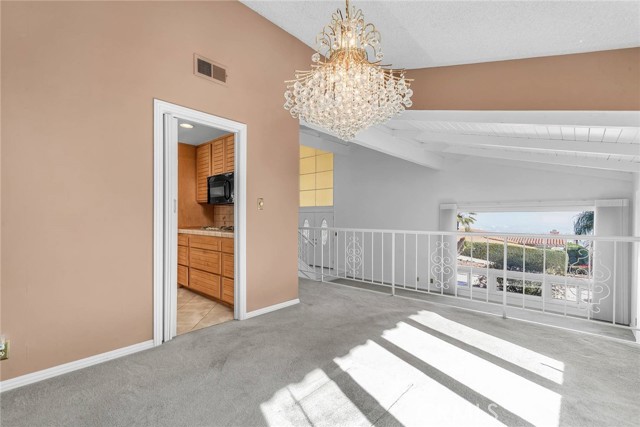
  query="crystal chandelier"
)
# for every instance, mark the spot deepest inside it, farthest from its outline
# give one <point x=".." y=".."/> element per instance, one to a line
<point x="347" y="89"/>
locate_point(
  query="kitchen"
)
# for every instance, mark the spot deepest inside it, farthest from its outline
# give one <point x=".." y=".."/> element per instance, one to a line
<point x="206" y="249"/>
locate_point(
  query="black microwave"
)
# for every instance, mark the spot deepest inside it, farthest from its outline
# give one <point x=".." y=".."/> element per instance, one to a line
<point x="221" y="189"/>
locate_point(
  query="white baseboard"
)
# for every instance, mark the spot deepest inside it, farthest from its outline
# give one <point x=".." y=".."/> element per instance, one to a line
<point x="271" y="308"/>
<point x="72" y="366"/>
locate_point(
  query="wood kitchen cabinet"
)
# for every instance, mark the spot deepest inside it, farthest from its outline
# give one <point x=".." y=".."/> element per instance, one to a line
<point x="203" y="171"/>
<point x="213" y="158"/>
<point x="223" y="155"/>
<point x="206" y="265"/>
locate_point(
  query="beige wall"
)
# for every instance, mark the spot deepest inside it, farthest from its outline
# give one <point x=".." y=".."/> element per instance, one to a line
<point x="78" y="82"/>
<point x="605" y="80"/>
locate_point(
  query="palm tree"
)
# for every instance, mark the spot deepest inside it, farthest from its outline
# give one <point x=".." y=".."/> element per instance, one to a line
<point x="583" y="223"/>
<point x="465" y="220"/>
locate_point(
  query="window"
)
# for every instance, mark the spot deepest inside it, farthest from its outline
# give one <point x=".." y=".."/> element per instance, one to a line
<point x="316" y="177"/>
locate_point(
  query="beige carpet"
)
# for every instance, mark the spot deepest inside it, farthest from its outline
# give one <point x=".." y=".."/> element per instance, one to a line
<point x="346" y="357"/>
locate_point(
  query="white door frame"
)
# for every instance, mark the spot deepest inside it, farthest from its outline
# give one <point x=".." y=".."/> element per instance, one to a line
<point x="165" y="178"/>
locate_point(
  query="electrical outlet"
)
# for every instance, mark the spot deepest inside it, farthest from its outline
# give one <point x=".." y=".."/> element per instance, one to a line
<point x="418" y="279"/>
<point x="431" y="280"/>
<point x="4" y="350"/>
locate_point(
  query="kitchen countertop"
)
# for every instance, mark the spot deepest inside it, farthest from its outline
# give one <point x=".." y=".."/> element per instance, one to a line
<point x="201" y="232"/>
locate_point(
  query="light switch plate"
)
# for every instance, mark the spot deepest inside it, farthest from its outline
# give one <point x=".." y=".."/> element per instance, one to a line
<point x="260" y="203"/>
<point x="4" y="353"/>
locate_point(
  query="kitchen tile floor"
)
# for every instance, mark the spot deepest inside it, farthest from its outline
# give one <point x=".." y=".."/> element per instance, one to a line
<point x="197" y="312"/>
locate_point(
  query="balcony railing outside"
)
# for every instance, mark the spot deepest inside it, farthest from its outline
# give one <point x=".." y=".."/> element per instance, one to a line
<point x="588" y="277"/>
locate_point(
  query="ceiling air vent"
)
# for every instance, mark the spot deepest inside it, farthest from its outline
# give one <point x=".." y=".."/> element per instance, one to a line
<point x="207" y="69"/>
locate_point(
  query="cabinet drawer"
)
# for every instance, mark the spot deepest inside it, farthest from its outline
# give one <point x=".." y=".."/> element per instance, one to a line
<point x="227" y="265"/>
<point x="205" y="242"/>
<point x="204" y="282"/>
<point x="227" y="290"/>
<point x="204" y="260"/>
<point x="227" y="245"/>
<point x="183" y="255"/>
<point x="183" y="275"/>
<point x="183" y="240"/>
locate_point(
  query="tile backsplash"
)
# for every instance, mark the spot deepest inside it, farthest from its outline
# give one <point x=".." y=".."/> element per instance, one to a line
<point x="223" y="215"/>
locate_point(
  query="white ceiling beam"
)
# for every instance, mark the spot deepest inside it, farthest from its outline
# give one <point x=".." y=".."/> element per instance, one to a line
<point x="566" y="118"/>
<point x="625" y="149"/>
<point x="546" y="158"/>
<point x="573" y="170"/>
<point x="322" y="142"/>
<point x="385" y="142"/>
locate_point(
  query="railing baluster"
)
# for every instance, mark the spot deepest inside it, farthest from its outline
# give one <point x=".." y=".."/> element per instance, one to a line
<point x="416" y="264"/>
<point x="615" y="270"/>
<point x="487" y="286"/>
<point x="404" y="260"/>
<point x="393" y="264"/>
<point x="363" y="256"/>
<point x="372" y="251"/>
<point x="345" y="254"/>
<point x="589" y="281"/>
<point x="504" y="280"/>
<point x="524" y="267"/>
<point x="353" y="269"/>
<point x="442" y="264"/>
<point x="566" y="276"/>
<point x="455" y="270"/>
<point x="544" y="275"/>
<point x="382" y="263"/>
<point x="429" y="263"/>
<point x="321" y="258"/>
<point x="471" y="272"/>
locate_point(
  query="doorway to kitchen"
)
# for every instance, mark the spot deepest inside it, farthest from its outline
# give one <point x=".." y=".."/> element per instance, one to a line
<point x="199" y="220"/>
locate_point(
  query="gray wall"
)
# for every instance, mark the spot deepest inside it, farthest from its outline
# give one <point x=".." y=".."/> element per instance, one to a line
<point x="373" y="190"/>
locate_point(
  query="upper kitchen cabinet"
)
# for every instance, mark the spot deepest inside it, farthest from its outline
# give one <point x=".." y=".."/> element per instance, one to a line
<point x="222" y="155"/>
<point x="213" y="158"/>
<point x="203" y="171"/>
<point x="229" y="153"/>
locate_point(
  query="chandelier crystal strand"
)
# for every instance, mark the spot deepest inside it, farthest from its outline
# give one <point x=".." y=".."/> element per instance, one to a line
<point x="345" y="91"/>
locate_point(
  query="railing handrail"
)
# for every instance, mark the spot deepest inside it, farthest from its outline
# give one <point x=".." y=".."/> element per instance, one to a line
<point x="305" y="237"/>
<point x="589" y="237"/>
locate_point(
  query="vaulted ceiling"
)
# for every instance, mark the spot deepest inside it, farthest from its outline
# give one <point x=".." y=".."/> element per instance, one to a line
<point x="421" y="34"/>
<point x="418" y="34"/>
<point x="590" y="140"/>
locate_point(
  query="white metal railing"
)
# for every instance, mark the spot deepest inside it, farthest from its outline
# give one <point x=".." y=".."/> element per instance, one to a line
<point x="587" y="277"/>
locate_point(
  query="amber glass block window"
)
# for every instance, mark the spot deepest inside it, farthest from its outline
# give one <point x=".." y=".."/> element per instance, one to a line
<point x="316" y="177"/>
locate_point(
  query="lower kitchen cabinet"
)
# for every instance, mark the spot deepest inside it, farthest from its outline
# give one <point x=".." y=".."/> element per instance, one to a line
<point x="204" y="282"/>
<point x="227" y="290"/>
<point x="206" y="265"/>
<point x="183" y="275"/>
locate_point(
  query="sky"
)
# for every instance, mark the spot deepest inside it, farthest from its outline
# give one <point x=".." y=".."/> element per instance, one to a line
<point x="525" y="222"/>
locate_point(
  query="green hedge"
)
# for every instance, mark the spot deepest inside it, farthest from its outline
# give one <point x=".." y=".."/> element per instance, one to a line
<point x="556" y="259"/>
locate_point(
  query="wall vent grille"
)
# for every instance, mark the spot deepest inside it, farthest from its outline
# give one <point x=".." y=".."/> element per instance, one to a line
<point x="208" y="69"/>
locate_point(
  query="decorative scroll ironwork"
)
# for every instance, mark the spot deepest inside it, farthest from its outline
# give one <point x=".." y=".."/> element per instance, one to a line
<point x="354" y="255"/>
<point x="441" y="264"/>
<point x="601" y="276"/>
